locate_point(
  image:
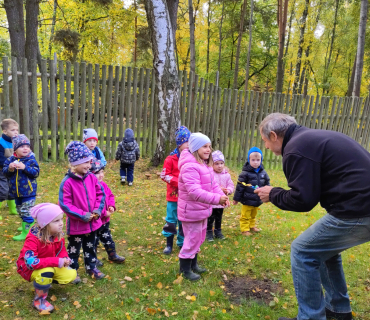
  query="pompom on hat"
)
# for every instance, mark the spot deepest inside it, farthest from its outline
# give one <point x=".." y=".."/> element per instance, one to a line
<point x="78" y="153"/>
<point x="90" y="133"/>
<point x="218" y="156"/>
<point x="20" y="140"/>
<point x="197" y="140"/>
<point x="45" y="213"/>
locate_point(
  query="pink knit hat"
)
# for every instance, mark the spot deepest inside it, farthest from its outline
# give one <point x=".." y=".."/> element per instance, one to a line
<point x="45" y="213"/>
<point x="218" y="156"/>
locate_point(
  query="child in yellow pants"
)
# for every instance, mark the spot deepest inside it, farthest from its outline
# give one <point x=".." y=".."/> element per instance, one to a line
<point x="252" y="177"/>
<point x="44" y="258"/>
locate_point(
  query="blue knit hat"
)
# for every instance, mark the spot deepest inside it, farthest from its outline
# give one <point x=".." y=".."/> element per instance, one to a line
<point x="129" y="135"/>
<point x="78" y="153"/>
<point x="20" y="140"/>
<point x="182" y="136"/>
<point x="96" y="166"/>
<point x="255" y="149"/>
<point x="197" y="140"/>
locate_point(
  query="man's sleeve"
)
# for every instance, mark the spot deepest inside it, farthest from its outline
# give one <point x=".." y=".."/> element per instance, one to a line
<point x="304" y="181"/>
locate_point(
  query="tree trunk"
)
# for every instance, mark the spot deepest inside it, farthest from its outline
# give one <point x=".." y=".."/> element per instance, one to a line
<point x="300" y="48"/>
<point x="53" y="26"/>
<point x="282" y="18"/>
<point x="208" y="36"/>
<point x="360" y="48"/>
<point x="167" y="82"/>
<point x="351" y="82"/>
<point x="237" y="54"/>
<point x="220" y="37"/>
<point x="192" y="40"/>
<point x="249" y="47"/>
<point x="173" y="6"/>
<point x="135" y="41"/>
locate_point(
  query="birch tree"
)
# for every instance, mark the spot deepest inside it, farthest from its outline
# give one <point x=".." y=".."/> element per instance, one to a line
<point x="166" y="76"/>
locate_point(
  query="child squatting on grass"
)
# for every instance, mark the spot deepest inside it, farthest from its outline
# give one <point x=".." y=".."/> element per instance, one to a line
<point x="170" y="175"/>
<point x="22" y="169"/>
<point x="44" y="258"/>
<point x="198" y="191"/>
<point x="10" y="129"/>
<point x="90" y="139"/>
<point x="103" y="233"/>
<point x="251" y="178"/>
<point x="82" y="198"/>
<point x="223" y="178"/>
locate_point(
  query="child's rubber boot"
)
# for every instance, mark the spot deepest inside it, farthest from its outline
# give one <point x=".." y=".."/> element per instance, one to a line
<point x="195" y="267"/>
<point x="41" y="293"/>
<point x="330" y="315"/>
<point x="219" y="235"/>
<point x="169" y="246"/>
<point x="25" y="228"/>
<point x="96" y="273"/>
<point x="114" y="257"/>
<point x="185" y="269"/>
<point x="209" y="235"/>
<point x="12" y="207"/>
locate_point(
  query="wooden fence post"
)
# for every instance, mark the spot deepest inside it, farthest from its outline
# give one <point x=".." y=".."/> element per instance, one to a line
<point x="103" y="106"/>
<point x="35" y="111"/>
<point x="122" y="103"/>
<point x="61" y="109"/>
<point x="68" y="103"/>
<point x="145" y="112"/>
<point x="89" y="95"/>
<point x="83" y="100"/>
<point x="26" y="110"/>
<point x="109" y="111"/>
<point x="44" y="82"/>
<point x="96" y="97"/>
<point x="115" y="112"/>
<point x="6" y="87"/>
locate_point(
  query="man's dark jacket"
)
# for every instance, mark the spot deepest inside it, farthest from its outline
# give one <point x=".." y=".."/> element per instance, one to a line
<point x="326" y="167"/>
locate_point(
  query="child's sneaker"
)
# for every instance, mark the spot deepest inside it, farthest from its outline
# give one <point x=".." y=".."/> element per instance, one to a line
<point x="96" y="273"/>
<point x="123" y="180"/>
<point x="219" y="235"/>
<point x="209" y="235"/>
<point x="130" y="184"/>
<point x="116" y="258"/>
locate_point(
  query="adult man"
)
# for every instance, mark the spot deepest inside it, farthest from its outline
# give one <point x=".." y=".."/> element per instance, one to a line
<point x="330" y="168"/>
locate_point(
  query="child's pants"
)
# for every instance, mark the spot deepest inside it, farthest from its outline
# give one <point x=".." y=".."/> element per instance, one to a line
<point x="248" y="218"/>
<point x="169" y="228"/>
<point x="104" y="235"/>
<point x="87" y="241"/>
<point x="127" y="170"/>
<point x="56" y="275"/>
<point x="195" y="234"/>
<point x="4" y="187"/>
<point x="216" y="217"/>
<point x="24" y="209"/>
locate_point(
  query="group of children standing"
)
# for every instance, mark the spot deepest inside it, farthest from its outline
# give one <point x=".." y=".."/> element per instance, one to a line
<point x="198" y="190"/>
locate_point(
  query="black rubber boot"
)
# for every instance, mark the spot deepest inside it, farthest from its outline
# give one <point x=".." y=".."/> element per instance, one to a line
<point x="219" y="235"/>
<point x="330" y="315"/>
<point x="169" y="246"/>
<point x="209" y="235"/>
<point x="185" y="269"/>
<point x="195" y="267"/>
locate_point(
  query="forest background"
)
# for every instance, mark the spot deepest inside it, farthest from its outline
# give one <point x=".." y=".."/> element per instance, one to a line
<point x="324" y="33"/>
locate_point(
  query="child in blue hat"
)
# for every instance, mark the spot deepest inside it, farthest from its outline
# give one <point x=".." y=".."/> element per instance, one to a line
<point x="253" y="176"/>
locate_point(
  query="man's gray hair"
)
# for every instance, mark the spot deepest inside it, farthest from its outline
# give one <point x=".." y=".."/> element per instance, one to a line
<point x="277" y="122"/>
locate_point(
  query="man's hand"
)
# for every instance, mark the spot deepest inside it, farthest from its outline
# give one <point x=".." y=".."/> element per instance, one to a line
<point x="264" y="193"/>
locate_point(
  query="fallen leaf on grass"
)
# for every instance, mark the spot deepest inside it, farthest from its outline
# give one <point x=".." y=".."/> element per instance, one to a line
<point x="53" y="298"/>
<point x="127" y="278"/>
<point x="165" y="313"/>
<point x="77" y="304"/>
<point x="44" y="312"/>
<point x="212" y="293"/>
<point x="191" y="298"/>
<point x="223" y="311"/>
<point x="194" y="317"/>
<point x="17" y="313"/>
<point x="159" y="285"/>
<point x="174" y="313"/>
<point x="178" y="280"/>
<point x="151" y="311"/>
<point x="65" y="316"/>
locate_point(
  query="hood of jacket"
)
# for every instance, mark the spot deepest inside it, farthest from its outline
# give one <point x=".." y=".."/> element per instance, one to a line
<point x="129" y="135"/>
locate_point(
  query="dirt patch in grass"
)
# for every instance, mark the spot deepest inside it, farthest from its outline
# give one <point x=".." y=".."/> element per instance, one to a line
<point x="243" y="289"/>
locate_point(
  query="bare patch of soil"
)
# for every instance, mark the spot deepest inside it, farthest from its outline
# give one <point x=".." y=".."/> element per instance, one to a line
<point x="245" y="288"/>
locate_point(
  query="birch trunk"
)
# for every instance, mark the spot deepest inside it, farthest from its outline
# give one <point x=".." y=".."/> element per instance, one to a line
<point x="220" y="37"/>
<point x="282" y="19"/>
<point x="249" y="47"/>
<point x="241" y="30"/>
<point x="166" y="76"/>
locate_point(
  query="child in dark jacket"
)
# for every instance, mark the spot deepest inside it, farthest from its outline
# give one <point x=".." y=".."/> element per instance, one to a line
<point x="128" y="152"/>
<point x="10" y="129"/>
<point x="170" y="175"/>
<point x="44" y="258"/>
<point x="103" y="233"/>
<point x="82" y="199"/>
<point x="252" y="177"/>
<point x="22" y="169"/>
<point x="90" y="139"/>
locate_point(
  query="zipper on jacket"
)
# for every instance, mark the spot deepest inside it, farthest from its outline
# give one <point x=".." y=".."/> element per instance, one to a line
<point x="88" y="203"/>
<point x="16" y="183"/>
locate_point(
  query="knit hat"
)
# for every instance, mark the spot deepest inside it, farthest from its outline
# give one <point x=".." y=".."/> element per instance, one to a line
<point x="20" y="140"/>
<point x="197" y="140"/>
<point x="78" y="153"/>
<point x="96" y="166"/>
<point x="45" y="213"/>
<point x="253" y="149"/>
<point x="90" y="133"/>
<point x="182" y="136"/>
<point x="218" y="156"/>
<point x="129" y="135"/>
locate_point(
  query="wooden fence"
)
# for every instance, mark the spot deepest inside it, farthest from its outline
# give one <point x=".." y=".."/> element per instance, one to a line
<point x="70" y="101"/>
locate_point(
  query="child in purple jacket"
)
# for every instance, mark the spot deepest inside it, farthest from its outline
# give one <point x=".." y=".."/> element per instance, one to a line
<point x="198" y="191"/>
<point x="103" y="233"/>
<point x="82" y="198"/>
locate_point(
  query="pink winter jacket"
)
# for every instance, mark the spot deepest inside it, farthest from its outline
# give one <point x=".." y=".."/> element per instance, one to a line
<point x="198" y="190"/>
<point x="224" y="181"/>
<point x="109" y="202"/>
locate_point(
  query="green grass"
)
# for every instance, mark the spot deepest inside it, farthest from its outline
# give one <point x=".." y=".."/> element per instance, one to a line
<point x="136" y="228"/>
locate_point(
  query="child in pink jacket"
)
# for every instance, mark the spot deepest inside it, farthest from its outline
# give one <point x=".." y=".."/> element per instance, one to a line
<point x="82" y="198"/>
<point x="198" y="191"/>
<point x="103" y="233"/>
<point x="223" y="179"/>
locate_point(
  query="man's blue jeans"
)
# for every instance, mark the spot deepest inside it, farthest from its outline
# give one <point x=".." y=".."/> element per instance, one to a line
<point x="316" y="262"/>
